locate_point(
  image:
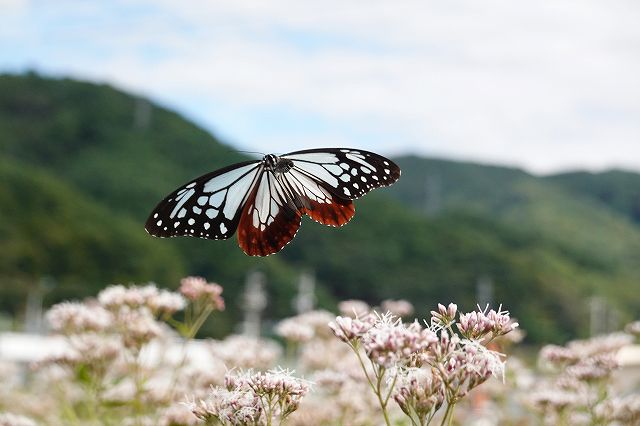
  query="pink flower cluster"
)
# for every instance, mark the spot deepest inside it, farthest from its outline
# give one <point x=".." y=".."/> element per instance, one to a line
<point x="74" y="317"/>
<point x="583" y="371"/>
<point x="350" y="329"/>
<point x="252" y="398"/>
<point x="419" y="393"/>
<point x="427" y="365"/>
<point x="480" y="324"/>
<point x="246" y="352"/>
<point x="198" y="289"/>
<point x="304" y="327"/>
<point x="354" y="308"/>
<point x="400" y="308"/>
<point x="391" y="343"/>
<point x="468" y="366"/>
<point x="228" y="407"/>
<point x="156" y="300"/>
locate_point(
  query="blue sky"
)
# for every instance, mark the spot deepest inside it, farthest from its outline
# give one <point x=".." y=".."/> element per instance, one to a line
<point x="548" y="85"/>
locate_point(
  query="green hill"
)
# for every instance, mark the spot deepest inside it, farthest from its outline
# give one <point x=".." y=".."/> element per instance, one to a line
<point x="616" y="189"/>
<point x="83" y="164"/>
<point x="600" y="232"/>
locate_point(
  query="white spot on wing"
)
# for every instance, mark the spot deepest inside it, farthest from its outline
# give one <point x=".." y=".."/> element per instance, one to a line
<point x="223" y="228"/>
<point x="359" y="158"/>
<point x="211" y="213"/>
<point x="191" y="221"/>
<point x="216" y="199"/>
<point x="334" y="169"/>
<point x="202" y="200"/>
<point x="316" y="157"/>
<point x="182" y="213"/>
<point x="318" y="172"/>
<point x="181" y="200"/>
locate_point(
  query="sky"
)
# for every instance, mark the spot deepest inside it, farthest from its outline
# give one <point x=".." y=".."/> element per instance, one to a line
<point x="548" y="85"/>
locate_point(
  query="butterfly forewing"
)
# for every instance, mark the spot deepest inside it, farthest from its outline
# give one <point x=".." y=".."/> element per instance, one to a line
<point x="207" y="207"/>
<point x="347" y="173"/>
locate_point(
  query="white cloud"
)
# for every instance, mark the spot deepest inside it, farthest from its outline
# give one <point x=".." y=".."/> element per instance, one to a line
<point x="546" y="85"/>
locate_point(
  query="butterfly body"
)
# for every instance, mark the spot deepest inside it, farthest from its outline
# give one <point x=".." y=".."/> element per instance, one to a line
<point x="266" y="199"/>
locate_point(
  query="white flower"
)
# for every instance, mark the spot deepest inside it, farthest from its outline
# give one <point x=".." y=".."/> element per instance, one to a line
<point x="553" y="399"/>
<point x="157" y="301"/>
<point x="74" y="317"/>
<point x="633" y="328"/>
<point x="445" y="315"/>
<point x="354" y="308"/>
<point x="178" y="414"/>
<point x="166" y="302"/>
<point x="246" y="352"/>
<point x="625" y="410"/>
<point x="400" y="308"/>
<point x="390" y="342"/>
<point x="137" y="326"/>
<point x="87" y="349"/>
<point x="197" y="288"/>
<point x="293" y="330"/>
<point x="248" y="398"/>
<point x="348" y="329"/>
<point x="600" y="344"/>
<point x="419" y="391"/>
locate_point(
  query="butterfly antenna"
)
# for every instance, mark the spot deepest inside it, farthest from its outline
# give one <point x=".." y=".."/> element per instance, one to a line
<point x="251" y="152"/>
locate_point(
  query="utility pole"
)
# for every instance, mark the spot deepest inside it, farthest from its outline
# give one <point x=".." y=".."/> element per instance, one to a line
<point x="33" y="322"/>
<point x="597" y="316"/>
<point x="432" y="195"/>
<point x="305" y="300"/>
<point x="484" y="291"/>
<point x="255" y="301"/>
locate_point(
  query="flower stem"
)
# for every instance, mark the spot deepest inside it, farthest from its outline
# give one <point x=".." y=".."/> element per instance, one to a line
<point x="378" y="391"/>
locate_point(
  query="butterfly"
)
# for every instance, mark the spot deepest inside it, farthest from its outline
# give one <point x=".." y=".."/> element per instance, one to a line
<point x="266" y="199"/>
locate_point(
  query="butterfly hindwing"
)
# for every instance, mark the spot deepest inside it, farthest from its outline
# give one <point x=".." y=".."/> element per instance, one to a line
<point x="317" y="200"/>
<point x="347" y="173"/>
<point x="270" y="218"/>
<point x="207" y="207"/>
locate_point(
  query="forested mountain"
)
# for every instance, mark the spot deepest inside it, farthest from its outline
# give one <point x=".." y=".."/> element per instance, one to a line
<point x="83" y="164"/>
<point x="616" y="189"/>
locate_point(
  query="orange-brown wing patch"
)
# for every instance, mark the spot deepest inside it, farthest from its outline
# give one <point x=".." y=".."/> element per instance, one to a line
<point x="336" y="212"/>
<point x="318" y="201"/>
<point x="267" y="222"/>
